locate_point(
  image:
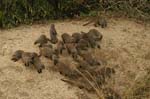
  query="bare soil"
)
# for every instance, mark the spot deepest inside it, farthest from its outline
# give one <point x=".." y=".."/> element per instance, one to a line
<point x="125" y="47"/>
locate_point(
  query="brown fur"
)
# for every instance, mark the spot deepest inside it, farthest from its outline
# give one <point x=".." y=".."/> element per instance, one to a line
<point x="71" y="48"/>
<point x="53" y="34"/>
<point x="17" y="55"/>
<point x="41" y="40"/>
<point x="66" y="70"/>
<point x="77" y="37"/>
<point x="95" y="34"/>
<point x="101" y="22"/>
<point x="92" y="37"/>
<point x="27" y="58"/>
<point x="55" y="59"/>
<point x="38" y="64"/>
<point x="60" y="47"/>
<point x="46" y="52"/>
<point x="82" y="44"/>
<point x="67" y="38"/>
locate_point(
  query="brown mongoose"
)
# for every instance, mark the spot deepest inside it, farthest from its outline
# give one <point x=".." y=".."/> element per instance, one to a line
<point x="71" y="48"/>
<point x="53" y="34"/>
<point x="41" y="40"/>
<point x="46" y="52"/>
<point x="27" y="58"/>
<point x="101" y="22"/>
<point x="67" y="38"/>
<point x="60" y="47"/>
<point x="77" y="37"/>
<point x="37" y="63"/>
<point x="95" y="34"/>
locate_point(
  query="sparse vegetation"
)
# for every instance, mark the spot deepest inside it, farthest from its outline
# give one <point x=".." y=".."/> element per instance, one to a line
<point x="15" y="12"/>
<point x="140" y="88"/>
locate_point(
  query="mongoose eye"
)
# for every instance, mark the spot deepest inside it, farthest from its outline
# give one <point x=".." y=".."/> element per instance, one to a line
<point x="80" y="66"/>
<point x="60" y="72"/>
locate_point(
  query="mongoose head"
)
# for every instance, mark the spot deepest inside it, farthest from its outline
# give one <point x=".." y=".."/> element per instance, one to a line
<point x="17" y="55"/>
<point x="52" y="26"/>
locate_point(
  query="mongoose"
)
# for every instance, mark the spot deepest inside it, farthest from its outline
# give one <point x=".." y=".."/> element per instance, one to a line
<point x="55" y="59"/>
<point x="53" y="34"/>
<point x="41" y="40"/>
<point x="17" y="55"/>
<point x="77" y="37"/>
<point x="67" y="38"/>
<point x="101" y="22"/>
<point x="92" y="42"/>
<point x="71" y="48"/>
<point x="95" y="34"/>
<point x="60" y="47"/>
<point x="82" y="44"/>
<point x="66" y="71"/>
<point x="92" y="37"/>
<point x="37" y="63"/>
<point x="27" y="58"/>
<point x="98" y="22"/>
<point x="46" y="52"/>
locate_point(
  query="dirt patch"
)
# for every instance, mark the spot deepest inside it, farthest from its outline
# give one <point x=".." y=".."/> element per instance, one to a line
<point x="125" y="46"/>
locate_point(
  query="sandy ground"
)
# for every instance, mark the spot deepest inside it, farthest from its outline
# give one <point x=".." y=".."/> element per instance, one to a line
<point x="125" y="46"/>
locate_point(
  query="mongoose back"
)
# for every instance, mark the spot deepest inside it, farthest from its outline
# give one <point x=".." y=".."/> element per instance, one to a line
<point x="67" y="38"/>
<point x="82" y="44"/>
<point x="76" y="36"/>
<point x="95" y="34"/>
<point x="46" y="52"/>
<point x="41" y="40"/>
<point x="101" y="22"/>
<point x="38" y="64"/>
<point x="60" y="47"/>
<point x="27" y="58"/>
<point x="55" y="59"/>
<point x="66" y="70"/>
<point x="71" y="48"/>
<point x="98" y="22"/>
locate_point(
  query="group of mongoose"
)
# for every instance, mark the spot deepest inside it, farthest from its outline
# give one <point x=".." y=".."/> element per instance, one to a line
<point x="77" y="46"/>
